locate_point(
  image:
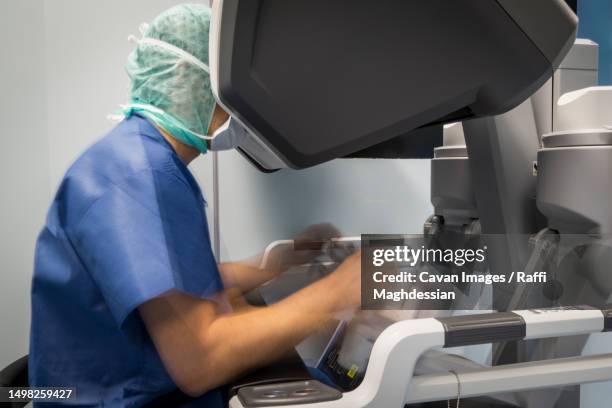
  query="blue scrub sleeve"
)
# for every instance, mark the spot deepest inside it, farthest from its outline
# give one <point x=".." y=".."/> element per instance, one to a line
<point x="144" y="237"/>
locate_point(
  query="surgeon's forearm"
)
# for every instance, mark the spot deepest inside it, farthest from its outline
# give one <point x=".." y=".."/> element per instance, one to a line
<point x="202" y="348"/>
<point x="238" y="343"/>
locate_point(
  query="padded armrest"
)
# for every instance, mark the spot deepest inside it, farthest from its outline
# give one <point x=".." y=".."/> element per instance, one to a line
<point x="289" y="368"/>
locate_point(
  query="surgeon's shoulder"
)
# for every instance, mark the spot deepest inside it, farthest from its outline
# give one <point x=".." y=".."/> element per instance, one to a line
<point x="122" y="152"/>
<point x="123" y="158"/>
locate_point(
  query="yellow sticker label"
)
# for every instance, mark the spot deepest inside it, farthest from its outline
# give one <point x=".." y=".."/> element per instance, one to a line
<point x="351" y="373"/>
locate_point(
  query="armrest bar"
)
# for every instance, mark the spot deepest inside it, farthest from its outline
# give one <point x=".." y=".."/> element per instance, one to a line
<point x="513" y="377"/>
<point x="524" y="325"/>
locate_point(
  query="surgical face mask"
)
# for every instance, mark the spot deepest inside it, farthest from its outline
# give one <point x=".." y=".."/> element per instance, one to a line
<point x="229" y="136"/>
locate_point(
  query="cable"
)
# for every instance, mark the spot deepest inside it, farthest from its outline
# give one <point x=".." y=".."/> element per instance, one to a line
<point x="216" y="209"/>
<point x="458" y="390"/>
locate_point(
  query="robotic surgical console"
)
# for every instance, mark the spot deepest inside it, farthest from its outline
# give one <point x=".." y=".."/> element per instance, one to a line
<point x="316" y="80"/>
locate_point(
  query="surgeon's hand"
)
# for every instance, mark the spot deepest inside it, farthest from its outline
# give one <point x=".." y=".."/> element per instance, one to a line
<point x="346" y="281"/>
<point x="309" y="243"/>
<point x="307" y="246"/>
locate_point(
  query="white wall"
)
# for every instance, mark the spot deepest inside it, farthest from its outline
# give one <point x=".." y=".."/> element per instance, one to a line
<point x="24" y="166"/>
<point x="356" y="195"/>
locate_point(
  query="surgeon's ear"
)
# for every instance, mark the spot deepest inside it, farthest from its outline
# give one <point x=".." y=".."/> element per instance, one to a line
<point x="219" y="118"/>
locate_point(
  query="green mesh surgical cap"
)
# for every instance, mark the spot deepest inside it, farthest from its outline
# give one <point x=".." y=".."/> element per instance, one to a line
<point x="169" y="68"/>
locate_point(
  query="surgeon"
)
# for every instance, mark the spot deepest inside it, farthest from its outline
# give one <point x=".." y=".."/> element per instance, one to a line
<point x="129" y="306"/>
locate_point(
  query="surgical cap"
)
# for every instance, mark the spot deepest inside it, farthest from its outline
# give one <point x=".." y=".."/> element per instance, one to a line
<point x="167" y="78"/>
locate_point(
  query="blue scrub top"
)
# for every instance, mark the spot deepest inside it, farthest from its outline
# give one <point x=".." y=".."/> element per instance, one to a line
<point x="127" y="225"/>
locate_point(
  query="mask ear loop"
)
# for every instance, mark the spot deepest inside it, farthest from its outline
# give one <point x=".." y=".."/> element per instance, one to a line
<point x="143" y="28"/>
<point x="458" y="390"/>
